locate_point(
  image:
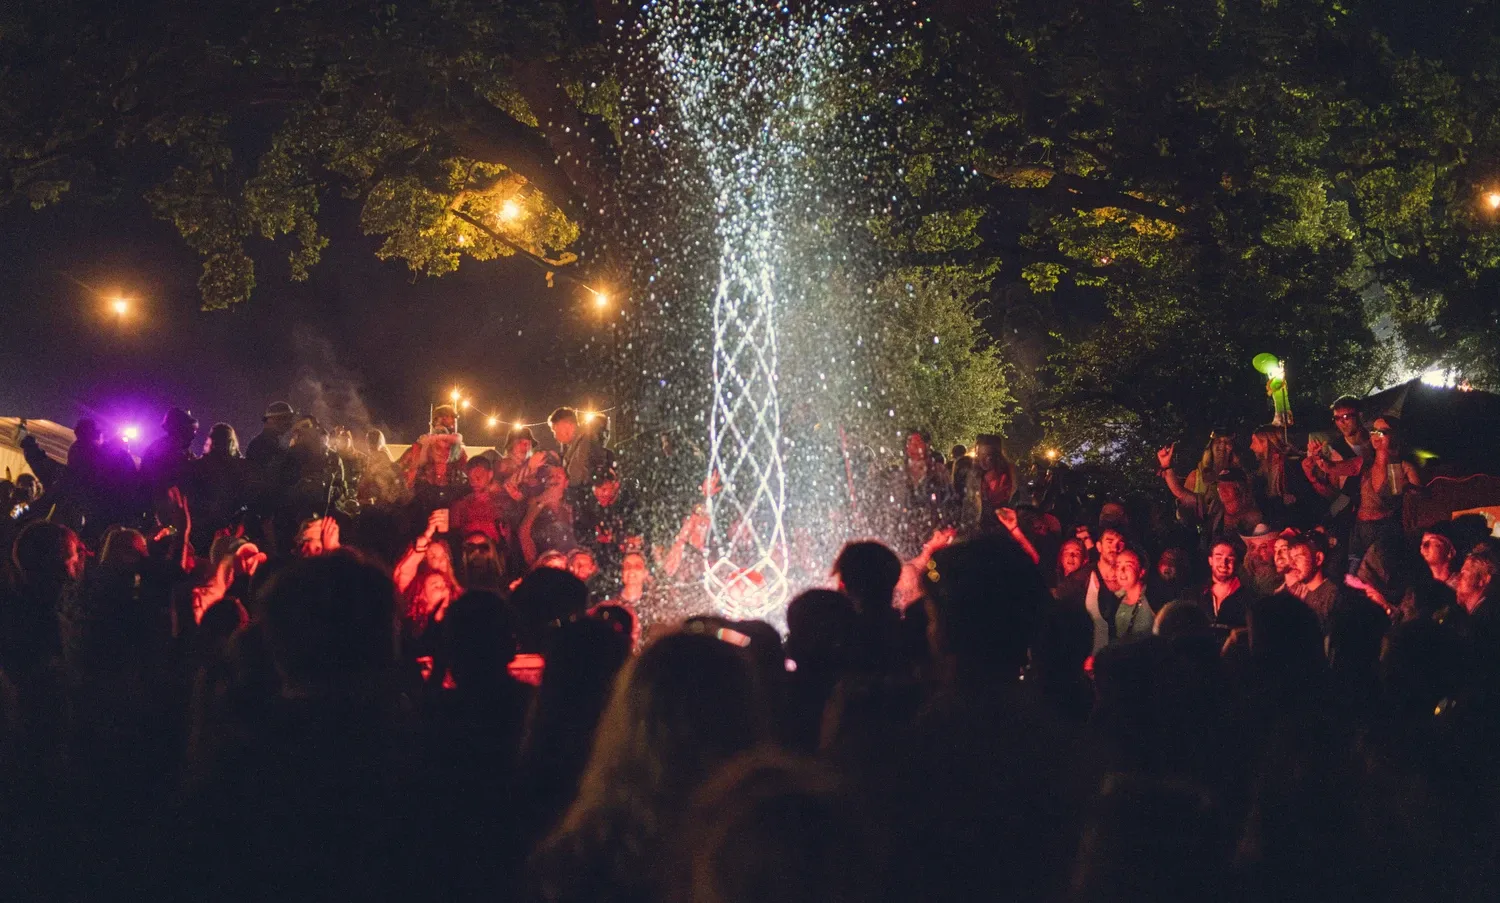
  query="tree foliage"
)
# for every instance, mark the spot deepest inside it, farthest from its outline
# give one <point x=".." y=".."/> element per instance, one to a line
<point x="1166" y="189"/>
<point x="257" y="114"/>
<point x="935" y="364"/>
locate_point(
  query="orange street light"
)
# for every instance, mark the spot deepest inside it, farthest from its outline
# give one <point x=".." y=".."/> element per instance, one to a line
<point x="1492" y="199"/>
<point x="510" y="211"/>
<point x="120" y="305"/>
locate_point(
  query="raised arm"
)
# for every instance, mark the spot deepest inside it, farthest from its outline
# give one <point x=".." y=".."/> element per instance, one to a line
<point x="1164" y="461"/>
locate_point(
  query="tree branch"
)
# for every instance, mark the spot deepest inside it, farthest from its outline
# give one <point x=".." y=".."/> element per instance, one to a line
<point x="1082" y="193"/>
<point x="545" y="263"/>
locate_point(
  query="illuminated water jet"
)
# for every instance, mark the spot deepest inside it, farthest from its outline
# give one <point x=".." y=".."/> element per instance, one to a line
<point x="745" y="82"/>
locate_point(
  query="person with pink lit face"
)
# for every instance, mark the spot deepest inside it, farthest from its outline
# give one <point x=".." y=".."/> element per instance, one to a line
<point x="1225" y="600"/>
<point x="480" y="511"/>
<point x="1134" y="617"/>
<point x="581" y="564"/>
<point x="1476" y="578"/>
<point x="1071" y="557"/>
<point x="1439" y="556"/>
<point x="1096" y="585"/>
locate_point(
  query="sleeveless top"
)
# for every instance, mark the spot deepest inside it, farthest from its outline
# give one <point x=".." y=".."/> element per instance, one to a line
<point x="1384" y="503"/>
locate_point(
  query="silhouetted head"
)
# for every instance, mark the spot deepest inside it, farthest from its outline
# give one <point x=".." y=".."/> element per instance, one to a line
<point x="868" y="572"/>
<point x="984" y="599"/>
<point x="330" y="619"/>
<point x="820" y="628"/>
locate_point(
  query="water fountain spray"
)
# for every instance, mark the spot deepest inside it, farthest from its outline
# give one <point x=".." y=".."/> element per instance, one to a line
<point x="744" y="81"/>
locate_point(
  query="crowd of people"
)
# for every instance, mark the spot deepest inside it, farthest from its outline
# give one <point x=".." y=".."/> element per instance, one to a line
<point x="308" y="670"/>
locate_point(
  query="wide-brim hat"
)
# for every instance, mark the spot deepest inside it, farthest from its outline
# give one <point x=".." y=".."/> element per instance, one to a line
<point x="1261" y="535"/>
<point x="278" y="409"/>
<point x="179" y="419"/>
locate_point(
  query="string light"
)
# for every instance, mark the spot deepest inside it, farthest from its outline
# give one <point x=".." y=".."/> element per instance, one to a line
<point x="1493" y="200"/>
<point x="493" y="421"/>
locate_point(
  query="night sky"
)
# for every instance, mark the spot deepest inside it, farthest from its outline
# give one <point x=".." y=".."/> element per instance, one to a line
<point x="361" y="342"/>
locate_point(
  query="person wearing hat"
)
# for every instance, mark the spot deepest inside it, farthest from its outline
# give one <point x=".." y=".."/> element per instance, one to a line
<point x="1197" y="493"/>
<point x="434" y="466"/>
<point x="1227" y="505"/>
<point x="268" y="445"/>
<point x="270" y="471"/>
<point x="167" y="461"/>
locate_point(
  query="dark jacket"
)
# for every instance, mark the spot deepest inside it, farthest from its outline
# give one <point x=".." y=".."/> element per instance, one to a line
<point x="1232" y="612"/>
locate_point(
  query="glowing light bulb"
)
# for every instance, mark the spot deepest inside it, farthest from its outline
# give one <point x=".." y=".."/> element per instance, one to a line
<point x="601" y="300"/>
<point x="1052" y="454"/>
<point x="519" y="425"/>
<point x="121" y="306"/>
<point x="1493" y="200"/>
<point x="588" y="416"/>
<point x="464" y="404"/>
<point x="130" y="433"/>
<point x="510" y="211"/>
<point x="455" y="395"/>
<point x="463" y="239"/>
<point x="493" y="422"/>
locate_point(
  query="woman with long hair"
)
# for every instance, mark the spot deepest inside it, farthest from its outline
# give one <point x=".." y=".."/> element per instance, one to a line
<point x="1281" y="488"/>
<point x="1071" y="558"/>
<point x="688" y="704"/>
<point x="1383" y="484"/>
<point x="427" y="600"/>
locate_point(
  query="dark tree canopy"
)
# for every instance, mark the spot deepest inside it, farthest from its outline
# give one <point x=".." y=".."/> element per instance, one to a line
<point x="1144" y="195"/>
<point x="1166" y="189"/>
<point x="465" y="128"/>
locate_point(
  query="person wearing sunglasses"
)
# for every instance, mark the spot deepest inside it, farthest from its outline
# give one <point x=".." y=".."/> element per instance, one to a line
<point x="1382" y="487"/>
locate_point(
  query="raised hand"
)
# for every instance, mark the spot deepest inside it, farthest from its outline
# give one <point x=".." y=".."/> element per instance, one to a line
<point x="942" y="536"/>
<point x="1164" y="456"/>
<point x="437" y="522"/>
<point x="330" y="529"/>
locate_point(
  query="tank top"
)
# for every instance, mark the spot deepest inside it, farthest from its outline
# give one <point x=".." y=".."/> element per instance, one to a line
<point x="1384" y="503"/>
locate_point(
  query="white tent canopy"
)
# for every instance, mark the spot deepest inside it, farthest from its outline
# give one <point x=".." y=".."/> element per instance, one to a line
<point x="54" y="438"/>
